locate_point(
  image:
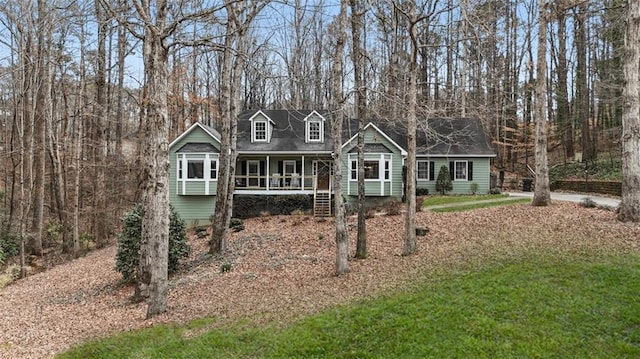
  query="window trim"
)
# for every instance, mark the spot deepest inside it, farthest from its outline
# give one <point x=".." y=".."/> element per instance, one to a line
<point x="375" y="166"/>
<point x="320" y="131"/>
<point x="211" y="162"/>
<point x="428" y="164"/>
<point x="254" y="133"/>
<point x="196" y="161"/>
<point x="208" y="160"/>
<point x="466" y="171"/>
<point x="384" y="163"/>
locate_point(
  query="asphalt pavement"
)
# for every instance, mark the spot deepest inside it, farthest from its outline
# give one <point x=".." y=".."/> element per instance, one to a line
<point x="573" y="197"/>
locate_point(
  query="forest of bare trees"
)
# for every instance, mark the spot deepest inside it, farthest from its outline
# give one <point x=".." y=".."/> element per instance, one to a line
<point x="93" y="91"/>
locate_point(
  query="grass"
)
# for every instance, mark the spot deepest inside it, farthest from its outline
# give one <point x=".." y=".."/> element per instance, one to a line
<point x="537" y="306"/>
<point x="439" y="200"/>
<point x="468" y="207"/>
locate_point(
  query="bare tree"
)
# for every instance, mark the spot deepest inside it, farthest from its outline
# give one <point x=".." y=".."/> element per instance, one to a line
<point x="240" y="15"/>
<point x="542" y="195"/>
<point x="630" y="206"/>
<point x="409" y="246"/>
<point x="357" y="16"/>
<point x="337" y="107"/>
<point x="153" y="22"/>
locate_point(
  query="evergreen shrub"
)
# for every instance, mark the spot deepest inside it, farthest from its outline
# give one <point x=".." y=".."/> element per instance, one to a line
<point x="128" y="255"/>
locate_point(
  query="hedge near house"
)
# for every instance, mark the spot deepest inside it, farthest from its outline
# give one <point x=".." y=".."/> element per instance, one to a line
<point x="128" y="255"/>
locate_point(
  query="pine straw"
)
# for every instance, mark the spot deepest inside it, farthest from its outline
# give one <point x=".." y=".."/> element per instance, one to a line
<point x="283" y="268"/>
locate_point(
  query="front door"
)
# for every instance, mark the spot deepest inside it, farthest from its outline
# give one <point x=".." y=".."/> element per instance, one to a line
<point x="323" y="172"/>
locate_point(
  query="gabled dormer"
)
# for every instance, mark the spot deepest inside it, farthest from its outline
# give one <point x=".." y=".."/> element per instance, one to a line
<point x="261" y="127"/>
<point x="314" y="127"/>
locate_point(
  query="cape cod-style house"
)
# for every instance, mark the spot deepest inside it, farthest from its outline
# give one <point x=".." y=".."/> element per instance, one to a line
<point x="289" y="152"/>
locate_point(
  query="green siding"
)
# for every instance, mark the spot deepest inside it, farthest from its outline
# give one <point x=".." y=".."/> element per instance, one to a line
<point x="481" y="170"/>
<point x="194" y="206"/>
<point x="392" y="188"/>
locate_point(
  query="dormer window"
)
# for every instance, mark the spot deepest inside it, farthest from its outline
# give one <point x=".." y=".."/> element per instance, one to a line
<point x="314" y="131"/>
<point x="260" y="131"/>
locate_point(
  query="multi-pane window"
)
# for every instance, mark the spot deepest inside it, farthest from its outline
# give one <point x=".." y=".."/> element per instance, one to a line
<point x="387" y="169"/>
<point x="260" y="131"/>
<point x="180" y="169"/>
<point x="460" y="171"/>
<point x="315" y="133"/>
<point x="213" y="173"/>
<point x="195" y="169"/>
<point x="354" y="170"/>
<point x="423" y="170"/>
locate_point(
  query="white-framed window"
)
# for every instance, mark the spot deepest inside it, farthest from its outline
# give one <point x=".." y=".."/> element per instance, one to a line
<point x="371" y="169"/>
<point x="213" y="170"/>
<point x="387" y="169"/>
<point x="376" y="167"/>
<point x="422" y="170"/>
<point x="259" y="131"/>
<point x="314" y="131"/>
<point x="195" y="168"/>
<point x="460" y="171"/>
<point x="354" y="170"/>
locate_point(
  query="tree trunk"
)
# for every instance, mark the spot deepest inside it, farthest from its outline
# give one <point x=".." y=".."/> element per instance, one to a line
<point x="563" y="120"/>
<point x="357" y="57"/>
<point x="154" y="244"/>
<point x="589" y="152"/>
<point x="337" y="101"/>
<point x="100" y="213"/>
<point x="222" y="212"/>
<point x="541" y="195"/>
<point x="409" y="246"/>
<point x="630" y="206"/>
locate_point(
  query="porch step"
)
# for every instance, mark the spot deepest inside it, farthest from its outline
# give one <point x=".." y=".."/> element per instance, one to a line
<point x="322" y="204"/>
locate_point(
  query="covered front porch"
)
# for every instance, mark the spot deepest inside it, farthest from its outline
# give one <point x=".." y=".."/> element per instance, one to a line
<point x="282" y="174"/>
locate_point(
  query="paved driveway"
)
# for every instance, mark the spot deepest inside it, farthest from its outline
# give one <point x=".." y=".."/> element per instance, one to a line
<point x="573" y="197"/>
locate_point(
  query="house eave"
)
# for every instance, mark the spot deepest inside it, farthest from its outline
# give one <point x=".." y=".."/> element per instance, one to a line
<point x="441" y="155"/>
<point x="284" y="153"/>
<point x="403" y="152"/>
<point x="188" y="131"/>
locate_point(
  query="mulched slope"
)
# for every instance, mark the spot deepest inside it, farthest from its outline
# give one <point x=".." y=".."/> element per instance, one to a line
<point x="283" y="267"/>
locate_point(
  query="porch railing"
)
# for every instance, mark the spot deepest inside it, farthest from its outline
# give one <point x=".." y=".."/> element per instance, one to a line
<point x="275" y="182"/>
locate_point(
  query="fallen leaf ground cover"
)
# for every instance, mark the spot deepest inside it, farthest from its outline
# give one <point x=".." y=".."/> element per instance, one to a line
<point x="282" y="270"/>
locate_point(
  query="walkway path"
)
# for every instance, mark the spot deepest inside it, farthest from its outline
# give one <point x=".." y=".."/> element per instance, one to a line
<point x="555" y="196"/>
<point x="573" y="197"/>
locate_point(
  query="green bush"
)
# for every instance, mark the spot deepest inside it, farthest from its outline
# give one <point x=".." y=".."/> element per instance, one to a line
<point x="128" y="254"/>
<point x="422" y="191"/>
<point x="443" y="182"/>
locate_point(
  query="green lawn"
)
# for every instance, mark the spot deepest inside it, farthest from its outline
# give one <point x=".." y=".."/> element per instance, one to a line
<point x="438" y="200"/>
<point x="539" y="306"/>
<point x="468" y="207"/>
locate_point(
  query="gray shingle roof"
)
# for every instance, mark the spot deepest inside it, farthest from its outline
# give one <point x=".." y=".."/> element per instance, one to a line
<point x="436" y="137"/>
<point x="288" y="132"/>
<point x="198" y="147"/>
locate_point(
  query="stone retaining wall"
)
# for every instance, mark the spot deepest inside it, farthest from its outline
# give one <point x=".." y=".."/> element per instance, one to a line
<point x="605" y="187"/>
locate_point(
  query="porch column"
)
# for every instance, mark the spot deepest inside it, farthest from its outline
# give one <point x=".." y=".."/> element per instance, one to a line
<point x="266" y="171"/>
<point x="302" y="173"/>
